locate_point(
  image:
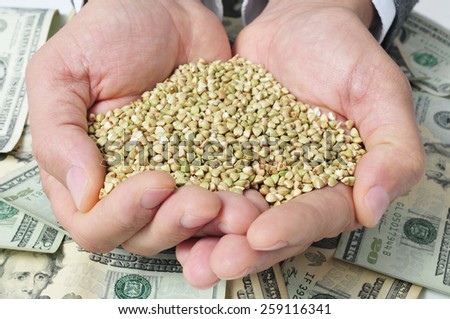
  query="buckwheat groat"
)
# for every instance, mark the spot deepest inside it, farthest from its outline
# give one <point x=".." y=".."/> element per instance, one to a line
<point x="227" y="126"/>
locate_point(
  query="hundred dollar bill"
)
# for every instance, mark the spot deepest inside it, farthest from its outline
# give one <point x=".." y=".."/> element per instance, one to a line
<point x="121" y="275"/>
<point x="316" y="274"/>
<point x="423" y="51"/>
<point x="22" y="189"/>
<point x="267" y="284"/>
<point x="22" y="32"/>
<point x="20" y="231"/>
<point x="412" y="240"/>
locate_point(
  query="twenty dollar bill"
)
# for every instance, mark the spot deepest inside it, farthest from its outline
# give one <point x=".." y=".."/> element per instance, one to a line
<point x="22" y="32"/>
<point x="423" y="52"/>
<point x="412" y="240"/>
<point x="21" y="231"/>
<point x="121" y="275"/>
<point x="315" y="274"/>
<point x="267" y="284"/>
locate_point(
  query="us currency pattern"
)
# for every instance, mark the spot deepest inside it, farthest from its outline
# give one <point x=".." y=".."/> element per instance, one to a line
<point x="121" y="275"/>
<point x="316" y="274"/>
<point x="423" y="52"/>
<point x="22" y="32"/>
<point x="412" y="240"/>
<point x="19" y="156"/>
<point x="22" y="189"/>
<point x="267" y="284"/>
<point x="433" y="117"/>
<point x="20" y="231"/>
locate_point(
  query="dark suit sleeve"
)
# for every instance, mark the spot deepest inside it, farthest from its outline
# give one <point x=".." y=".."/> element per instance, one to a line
<point x="404" y="7"/>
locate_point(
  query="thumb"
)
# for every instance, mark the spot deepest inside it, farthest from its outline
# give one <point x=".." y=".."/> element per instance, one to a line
<point x="58" y="103"/>
<point x="394" y="161"/>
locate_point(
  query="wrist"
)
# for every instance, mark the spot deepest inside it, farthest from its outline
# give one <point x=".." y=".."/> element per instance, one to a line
<point x="363" y="9"/>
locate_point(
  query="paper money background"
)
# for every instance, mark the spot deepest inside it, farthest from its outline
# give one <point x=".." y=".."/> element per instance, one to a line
<point x="78" y="274"/>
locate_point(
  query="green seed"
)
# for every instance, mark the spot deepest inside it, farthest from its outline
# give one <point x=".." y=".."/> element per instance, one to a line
<point x="227" y="126"/>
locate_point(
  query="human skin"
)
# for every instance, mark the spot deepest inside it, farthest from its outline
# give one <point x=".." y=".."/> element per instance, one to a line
<point x="89" y="66"/>
<point x="323" y="52"/>
<point x="320" y="50"/>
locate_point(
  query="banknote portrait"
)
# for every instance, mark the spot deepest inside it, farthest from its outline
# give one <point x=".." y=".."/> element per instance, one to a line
<point x="24" y="275"/>
<point x="438" y="163"/>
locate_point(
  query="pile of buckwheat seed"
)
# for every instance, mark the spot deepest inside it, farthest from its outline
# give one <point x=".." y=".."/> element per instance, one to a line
<point x="227" y="126"/>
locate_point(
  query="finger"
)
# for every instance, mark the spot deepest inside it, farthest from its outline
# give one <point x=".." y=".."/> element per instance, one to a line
<point x="77" y="69"/>
<point x="257" y="199"/>
<point x="226" y="264"/>
<point x="118" y="216"/>
<point x="206" y="45"/>
<point x="179" y="218"/>
<point x="58" y="103"/>
<point x="394" y="161"/>
<point x="235" y="216"/>
<point x="362" y="84"/>
<point x="194" y="255"/>
<point x="305" y="219"/>
<point x="182" y="250"/>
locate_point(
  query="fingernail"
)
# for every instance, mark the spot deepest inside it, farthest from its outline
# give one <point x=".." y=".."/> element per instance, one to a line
<point x="154" y="197"/>
<point x="76" y="180"/>
<point x="245" y="272"/>
<point x="377" y="200"/>
<point x="279" y="245"/>
<point x="191" y="221"/>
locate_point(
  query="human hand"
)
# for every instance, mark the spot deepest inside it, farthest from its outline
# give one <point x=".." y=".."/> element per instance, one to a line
<point x="109" y="54"/>
<point x="323" y="52"/>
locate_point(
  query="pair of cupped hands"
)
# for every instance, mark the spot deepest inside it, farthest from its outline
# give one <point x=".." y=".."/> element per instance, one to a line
<point x="113" y="51"/>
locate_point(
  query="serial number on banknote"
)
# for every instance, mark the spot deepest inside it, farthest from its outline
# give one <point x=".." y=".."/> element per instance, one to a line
<point x="295" y="309"/>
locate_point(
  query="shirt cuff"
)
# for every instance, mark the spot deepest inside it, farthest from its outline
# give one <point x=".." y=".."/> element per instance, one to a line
<point x="386" y="10"/>
<point x="251" y="9"/>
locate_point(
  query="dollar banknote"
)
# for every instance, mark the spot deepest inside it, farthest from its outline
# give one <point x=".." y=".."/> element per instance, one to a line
<point x="423" y="52"/>
<point x="19" y="156"/>
<point x="22" y="189"/>
<point x="20" y="231"/>
<point x="22" y="32"/>
<point x="267" y="284"/>
<point x="316" y="274"/>
<point x="412" y="240"/>
<point x="433" y="117"/>
<point x="116" y="275"/>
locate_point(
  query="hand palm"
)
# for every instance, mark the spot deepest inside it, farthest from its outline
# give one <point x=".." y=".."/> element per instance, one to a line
<point x="138" y="48"/>
<point x="109" y="54"/>
<point x="327" y="58"/>
<point x="339" y="66"/>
